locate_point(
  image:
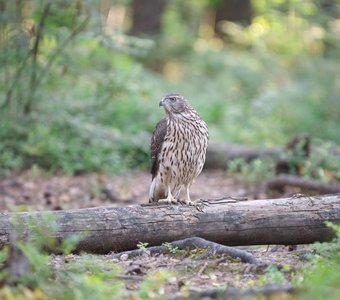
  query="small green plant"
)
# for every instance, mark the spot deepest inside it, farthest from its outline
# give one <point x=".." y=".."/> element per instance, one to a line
<point x="142" y="246"/>
<point x="254" y="171"/>
<point x="335" y="228"/>
<point x="273" y="276"/>
<point x="3" y="258"/>
<point x="235" y="165"/>
<point x="170" y="248"/>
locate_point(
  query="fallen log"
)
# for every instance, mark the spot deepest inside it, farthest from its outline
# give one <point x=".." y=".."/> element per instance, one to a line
<point x="220" y="154"/>
<point x="281" y="181"/>
<point x="289" y="221"/>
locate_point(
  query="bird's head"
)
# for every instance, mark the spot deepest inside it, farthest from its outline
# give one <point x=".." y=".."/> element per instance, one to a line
<point x="174" y="103"/>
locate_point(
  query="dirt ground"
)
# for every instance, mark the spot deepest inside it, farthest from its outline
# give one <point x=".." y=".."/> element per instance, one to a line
<point x="187" y="274"/>
<point x="38" y="191"/>
<point x="46" y="192"/>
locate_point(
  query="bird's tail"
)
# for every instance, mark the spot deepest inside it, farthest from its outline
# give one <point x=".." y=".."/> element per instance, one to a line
<point x="157" y="190"/>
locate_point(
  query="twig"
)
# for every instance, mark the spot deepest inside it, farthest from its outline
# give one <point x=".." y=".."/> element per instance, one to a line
<point x="200" y="272"/>
<point x="225" y="199"/>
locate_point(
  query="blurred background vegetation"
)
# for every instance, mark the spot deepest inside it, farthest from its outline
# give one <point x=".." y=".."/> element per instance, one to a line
<point x="80" y="80"/>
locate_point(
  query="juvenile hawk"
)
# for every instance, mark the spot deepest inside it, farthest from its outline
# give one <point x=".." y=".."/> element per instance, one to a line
<point x="178" y="149"/>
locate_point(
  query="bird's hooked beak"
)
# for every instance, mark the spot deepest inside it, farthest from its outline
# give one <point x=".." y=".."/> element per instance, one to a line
<point x="161" y="103"/>
<point x="165" y="103"/>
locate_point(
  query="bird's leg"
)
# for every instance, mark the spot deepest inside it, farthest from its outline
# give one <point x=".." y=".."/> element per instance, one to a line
<point x="188" y="200"/>
<point x="169" y="199"/>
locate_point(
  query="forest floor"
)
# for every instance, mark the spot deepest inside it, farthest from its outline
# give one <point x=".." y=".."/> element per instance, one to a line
<point x="42" y="191"/>
<point x="185" y="272"/>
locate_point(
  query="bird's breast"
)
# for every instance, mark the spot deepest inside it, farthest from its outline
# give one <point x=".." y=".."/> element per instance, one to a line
<point x="183" y="151"/>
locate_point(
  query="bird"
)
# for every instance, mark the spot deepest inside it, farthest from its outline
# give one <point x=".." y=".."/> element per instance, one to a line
<point x="178" y="150"/>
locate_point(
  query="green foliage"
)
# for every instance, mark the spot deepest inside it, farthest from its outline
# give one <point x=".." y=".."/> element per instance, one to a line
<point x="3" y="258"/>
<point x="320" y="279"/>
<point x="40" y="232"/>
<point x="38" y="40"/>
<point x="258" y="99"/>
<point x="273" y="276"/>
<point x="321" y="164"/>
<point x="90" y="279"/>
<point x="170" y="248"/>
<point x="87" y="277"/>
<point x="253" y="172"/>
<point x="152" y="286"/>
<point x="95" y="108"/>
<point x="78" y="103"/>
<point x="38" y="261"/>
<point x="78" y="139"/>
<point x="142" y="246"/>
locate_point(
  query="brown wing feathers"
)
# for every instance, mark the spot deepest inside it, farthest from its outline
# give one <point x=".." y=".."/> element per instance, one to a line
<point x="156" y="144"/>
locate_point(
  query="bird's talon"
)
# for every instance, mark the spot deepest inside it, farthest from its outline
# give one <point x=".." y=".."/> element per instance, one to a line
<point x="168" y="201"/>
<point x="199" y="208"/>
<point x="189" y="202"/>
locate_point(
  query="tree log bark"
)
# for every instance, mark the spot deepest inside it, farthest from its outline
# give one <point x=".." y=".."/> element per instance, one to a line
<point x="280" y="181"/>
<point x="289" y="221"/>
<point x="220" y="154"/>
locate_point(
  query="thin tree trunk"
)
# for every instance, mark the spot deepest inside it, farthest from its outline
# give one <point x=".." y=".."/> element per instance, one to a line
<point x="147" y="16"/>
<point x="35" y="52"/>
<point x="234" y="11"/>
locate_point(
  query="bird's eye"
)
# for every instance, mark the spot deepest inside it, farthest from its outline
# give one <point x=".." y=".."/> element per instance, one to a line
<point x="172" y="99"/>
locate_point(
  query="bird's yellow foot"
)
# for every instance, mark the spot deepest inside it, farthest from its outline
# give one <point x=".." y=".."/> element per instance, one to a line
<point x="168" y="200"/>
<point x="189" y="202"/>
